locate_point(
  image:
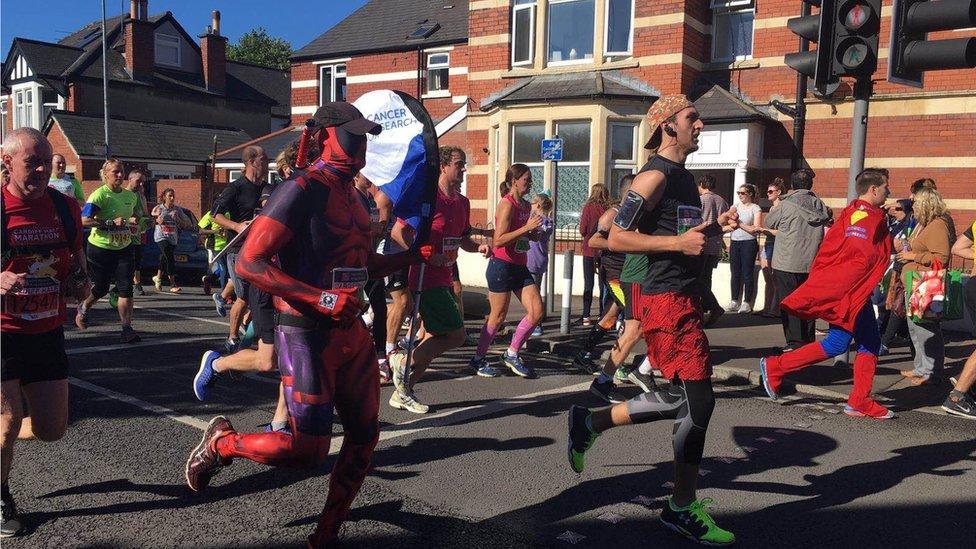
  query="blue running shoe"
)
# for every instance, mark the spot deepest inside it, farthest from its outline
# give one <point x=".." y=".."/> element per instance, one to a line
<point x="516" y="365"/>
<point x="765" y="380"/>
<point x="537" y="331"/>
<point x="220" y="304"/>
<point x="482" y="368"/>
<point x="206" y="375"/>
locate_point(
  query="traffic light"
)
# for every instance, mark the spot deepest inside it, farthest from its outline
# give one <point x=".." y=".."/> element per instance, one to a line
<point x="815" y="28"/>
<point x="854" y="43"/>
<point x="911" y="54"/>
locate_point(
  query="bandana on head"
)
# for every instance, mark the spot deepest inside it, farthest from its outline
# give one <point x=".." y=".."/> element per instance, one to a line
<point x="662" y="109"/>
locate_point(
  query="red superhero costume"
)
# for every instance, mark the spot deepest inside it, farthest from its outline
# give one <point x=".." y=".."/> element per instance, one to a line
<point x="318" y="231"/>
<point x="850" y="263"/>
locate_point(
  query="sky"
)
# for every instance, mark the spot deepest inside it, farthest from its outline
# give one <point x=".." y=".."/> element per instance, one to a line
<point x="297" y="21"/>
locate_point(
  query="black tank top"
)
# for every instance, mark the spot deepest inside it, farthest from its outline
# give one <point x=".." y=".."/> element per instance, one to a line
<point x="678" y="210"/>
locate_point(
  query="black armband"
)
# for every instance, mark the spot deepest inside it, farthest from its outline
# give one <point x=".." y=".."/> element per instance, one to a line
<point x="629" y="211"/>
<point x="604" y="234"/>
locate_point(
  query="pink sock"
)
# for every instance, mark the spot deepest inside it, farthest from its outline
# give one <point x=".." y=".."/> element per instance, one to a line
<point x="522" y="332"/>
<point x="487" y="337"/>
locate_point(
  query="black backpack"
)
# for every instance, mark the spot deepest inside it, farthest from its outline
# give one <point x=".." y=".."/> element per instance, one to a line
<point x="64" y="215"/>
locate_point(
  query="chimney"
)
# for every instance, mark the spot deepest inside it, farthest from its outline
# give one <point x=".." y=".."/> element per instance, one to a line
<point x="140" y="42"/>
<point x="213" y="54"/>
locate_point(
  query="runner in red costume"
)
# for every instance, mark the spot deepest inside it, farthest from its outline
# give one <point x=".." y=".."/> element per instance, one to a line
<point x="310" y="248"/>
<point x="853" y="257"/>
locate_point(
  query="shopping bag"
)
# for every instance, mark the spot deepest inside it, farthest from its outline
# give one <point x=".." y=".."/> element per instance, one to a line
<point x="955" y="298"/>
<point x="925" y="294"/>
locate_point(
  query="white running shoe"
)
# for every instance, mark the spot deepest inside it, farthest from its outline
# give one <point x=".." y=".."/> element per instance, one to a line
<point x="408" y="403"/>
<point x="745" y="307"/>
<point x="732" y="307"/>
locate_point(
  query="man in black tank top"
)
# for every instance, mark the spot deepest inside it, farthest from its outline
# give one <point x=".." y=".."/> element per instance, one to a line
<point x="661" y="216"/>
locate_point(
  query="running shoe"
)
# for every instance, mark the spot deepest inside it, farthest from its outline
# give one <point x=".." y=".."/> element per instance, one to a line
<point x="385" y="374"/>
<point x="537" y="331"/>
<point x="644" y="381"/>
<point x="694" y="523"/>
<point x="732" y="307"/>
<point x="581" y="438"/>
<point x="516" y="365"/>
<point x="398" y="363"/>
<point x="408" y="403"/>
<point x="129" y="335"/>
<point x="204" y="461"/>
<point x="231" y="345"/>
<point x="11" y="524"/>
<point x="584" y="361"/>
<point x="470" y="341"/>
<point x="482" y="368"/>
<point x="113" y="297"/>
<point x="205" y="282"/>
<point x="158" y="283"/>
<point x="606" y="391"/>
<point x="220" y="304"/>
<point x="873" y="410"/>
<point x="971" y="392"/>
<point x="963" y="407"/>
<point x="206" y="375"/>
<point x="81" y="317"/>
<point x="883" y="351"/>
<point x="621" y="374"/>
<point x="745" y="308"/>
<point x="765" y="380"/>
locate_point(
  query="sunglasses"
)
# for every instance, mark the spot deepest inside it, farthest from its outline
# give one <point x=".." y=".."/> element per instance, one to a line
<point x="741" y="193"/>
<point x="771" y="191"/>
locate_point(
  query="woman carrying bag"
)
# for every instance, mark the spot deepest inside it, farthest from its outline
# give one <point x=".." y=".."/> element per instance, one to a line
<point x="930" y="243"/>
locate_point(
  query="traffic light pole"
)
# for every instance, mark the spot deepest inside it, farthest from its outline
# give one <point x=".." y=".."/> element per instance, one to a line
<point x="799" y="120"/>
<point x="859" y="132"/>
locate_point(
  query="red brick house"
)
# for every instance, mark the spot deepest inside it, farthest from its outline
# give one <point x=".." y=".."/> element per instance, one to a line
<point x="170" y="97"/>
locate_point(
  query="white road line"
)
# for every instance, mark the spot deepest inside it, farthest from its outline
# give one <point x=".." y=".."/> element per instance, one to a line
<point x="150" y="343"/>
<point x="149" y="407"/>
<point x="178" y="315"/>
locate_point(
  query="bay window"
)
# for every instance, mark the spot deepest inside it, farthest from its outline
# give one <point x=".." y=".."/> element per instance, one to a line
<point x="574" y="171"/>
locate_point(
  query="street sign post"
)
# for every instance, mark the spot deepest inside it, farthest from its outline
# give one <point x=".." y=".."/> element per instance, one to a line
<point x="552" y="150"/>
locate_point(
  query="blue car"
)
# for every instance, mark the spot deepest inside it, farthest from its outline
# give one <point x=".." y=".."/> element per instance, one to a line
<point x="190" y="255"/>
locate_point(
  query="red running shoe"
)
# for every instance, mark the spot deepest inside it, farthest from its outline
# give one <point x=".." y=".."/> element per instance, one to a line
<point x="204" y="461"/>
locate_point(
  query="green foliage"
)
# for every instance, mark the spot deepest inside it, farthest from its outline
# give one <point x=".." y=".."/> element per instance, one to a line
<point x="258" y="47"/>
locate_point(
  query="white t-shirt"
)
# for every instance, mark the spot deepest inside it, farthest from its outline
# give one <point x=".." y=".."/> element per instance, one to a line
<point x="747" y="216"/>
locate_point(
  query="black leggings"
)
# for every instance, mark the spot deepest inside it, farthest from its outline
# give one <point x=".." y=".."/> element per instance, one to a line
<point x="742" y="256"/>
<point x="689" y="404"/>
<point x="589" y="273"/>
<point x="167" y="257"/>
<point x="106" y="265"/>
<point x="376" y="293"/>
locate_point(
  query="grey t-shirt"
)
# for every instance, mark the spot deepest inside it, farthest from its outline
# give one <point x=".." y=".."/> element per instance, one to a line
<point x="168" y="230"/>
<point x="713" y="206"/>
<point x="799" y="219"/>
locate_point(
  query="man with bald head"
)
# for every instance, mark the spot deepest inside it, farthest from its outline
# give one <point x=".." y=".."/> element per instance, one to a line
<point x="64" y="183"/>
<point x="43" y="264"/>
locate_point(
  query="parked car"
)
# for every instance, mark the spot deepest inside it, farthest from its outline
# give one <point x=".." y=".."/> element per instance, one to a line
<point x="190" y="255"/>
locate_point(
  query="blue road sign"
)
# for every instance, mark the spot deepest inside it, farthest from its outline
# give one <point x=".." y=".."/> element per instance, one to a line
<point x="552" y="149"/>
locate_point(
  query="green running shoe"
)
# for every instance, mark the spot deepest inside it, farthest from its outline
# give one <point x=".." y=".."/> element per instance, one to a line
<point x="694" y="523"/>
<point x="581" y="438"/>
<point x="621" y="374"/>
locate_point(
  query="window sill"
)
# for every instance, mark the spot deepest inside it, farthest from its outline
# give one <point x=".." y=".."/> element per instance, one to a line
<point x="731" y="65"/>
<point x="522" y="72"/>
<point x="436" y="94"/>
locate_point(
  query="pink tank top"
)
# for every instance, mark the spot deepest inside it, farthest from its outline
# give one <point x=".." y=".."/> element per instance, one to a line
<point x="515" y="252"/>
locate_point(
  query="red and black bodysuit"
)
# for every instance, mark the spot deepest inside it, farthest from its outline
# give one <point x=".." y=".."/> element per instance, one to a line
<point x="318" y="231"/>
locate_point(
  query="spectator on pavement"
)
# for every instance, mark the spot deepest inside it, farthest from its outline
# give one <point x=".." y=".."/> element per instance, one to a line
<point x="538" y="256"/>
<point x="930" y="241"/>
<point x="713" y="205"/>
<point x="743" y="251"/>
<point x="774" y="192"/>
<point x="902" y="223"/>
<point x="598" y="203"/>
<point x="799" y="222"/>
<point x="64" y="183"/>
<point x="962" y="399"/>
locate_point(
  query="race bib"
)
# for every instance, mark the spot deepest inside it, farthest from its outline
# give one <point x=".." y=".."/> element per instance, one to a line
<point x="522" y="245"/>
<point x="40" y="298"/>
<point x="688" y="217"/>
<point x="345" y="277"/>
<point x="120" y="236"/>
<point x="168" y="228"/>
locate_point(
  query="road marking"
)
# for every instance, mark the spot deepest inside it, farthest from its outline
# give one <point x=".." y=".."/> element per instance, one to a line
<point x="149" y="407"/>
<point x="151" y="343"/>
<point x="178" y="315"/>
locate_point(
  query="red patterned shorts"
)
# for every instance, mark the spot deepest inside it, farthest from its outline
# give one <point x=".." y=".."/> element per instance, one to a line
<point x="676" y="342"/>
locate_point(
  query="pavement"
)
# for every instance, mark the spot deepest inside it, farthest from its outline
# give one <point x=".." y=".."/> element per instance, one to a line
<point x="487" y="466"/>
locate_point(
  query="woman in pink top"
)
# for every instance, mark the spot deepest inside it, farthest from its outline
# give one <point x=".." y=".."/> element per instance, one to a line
<point x="507" y="274"/>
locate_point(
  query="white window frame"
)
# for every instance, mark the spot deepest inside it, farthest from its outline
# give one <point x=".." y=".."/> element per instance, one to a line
<point x="333" y="76"/>
<point x="26" y="111"/>
<point x="619" y="164"/>
<point x="444" y="66"/>
<point x="566" y="62"/>
<point x="174" y="42"/>
<point x="532" y="22"/>
<point x="606" y="32"/>
<point x="728" y="7"/>
<point x="3" y="119"/>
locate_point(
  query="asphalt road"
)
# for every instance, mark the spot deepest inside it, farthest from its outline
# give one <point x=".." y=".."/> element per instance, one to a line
<point x="486" y="467"/>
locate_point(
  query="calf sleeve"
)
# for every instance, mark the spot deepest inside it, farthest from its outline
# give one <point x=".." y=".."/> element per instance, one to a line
<point x="487" y="337"/>
<point x="689" y="404"/>
<point x="522" y="332"/>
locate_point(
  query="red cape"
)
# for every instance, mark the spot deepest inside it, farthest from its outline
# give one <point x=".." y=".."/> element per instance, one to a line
<point x="850" y="263"/>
